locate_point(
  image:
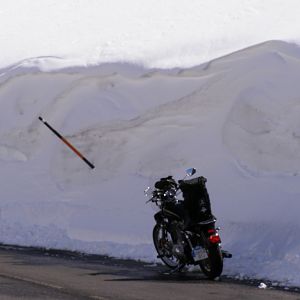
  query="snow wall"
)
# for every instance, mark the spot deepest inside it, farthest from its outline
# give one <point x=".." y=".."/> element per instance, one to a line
<point x="235" y="119"/>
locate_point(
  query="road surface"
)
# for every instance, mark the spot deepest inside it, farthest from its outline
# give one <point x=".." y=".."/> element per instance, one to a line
<point x="27" y="273"/>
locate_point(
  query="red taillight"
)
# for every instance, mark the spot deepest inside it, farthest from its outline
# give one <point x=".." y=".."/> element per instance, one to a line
<point x="215" y="239"/>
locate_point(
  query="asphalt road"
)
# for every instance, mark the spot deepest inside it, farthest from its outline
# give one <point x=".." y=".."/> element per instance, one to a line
<point x="27" y="273"/>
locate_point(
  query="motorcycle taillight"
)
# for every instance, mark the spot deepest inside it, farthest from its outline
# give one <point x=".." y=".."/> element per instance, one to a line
<point x="215" y="238"/>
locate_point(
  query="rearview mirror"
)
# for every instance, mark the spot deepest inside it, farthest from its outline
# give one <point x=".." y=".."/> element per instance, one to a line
<point x="190" y="172"/>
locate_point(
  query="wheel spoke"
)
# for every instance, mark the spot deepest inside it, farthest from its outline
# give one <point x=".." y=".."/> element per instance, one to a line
<point x="164" y="246"/>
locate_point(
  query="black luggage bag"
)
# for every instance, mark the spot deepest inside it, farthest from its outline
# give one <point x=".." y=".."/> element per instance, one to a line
<point x="196" y="199"/>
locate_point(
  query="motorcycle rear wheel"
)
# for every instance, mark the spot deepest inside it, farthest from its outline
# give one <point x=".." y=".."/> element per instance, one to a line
<point x="212" y="267"/>
<point x="164" y="246"/>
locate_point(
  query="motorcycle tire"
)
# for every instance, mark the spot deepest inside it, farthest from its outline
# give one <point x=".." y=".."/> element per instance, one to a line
<point x="212" y="267"/>
<point x="163" y="244"/>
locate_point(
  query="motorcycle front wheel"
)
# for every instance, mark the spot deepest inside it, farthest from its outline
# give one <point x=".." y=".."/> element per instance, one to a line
<point x="164" y="246"/>
<point x="212" y="266"/>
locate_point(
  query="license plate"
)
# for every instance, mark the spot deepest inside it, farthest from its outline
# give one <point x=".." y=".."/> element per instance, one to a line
<point x="199" y="253"/>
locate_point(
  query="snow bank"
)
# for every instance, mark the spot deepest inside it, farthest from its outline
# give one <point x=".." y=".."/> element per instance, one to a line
<point x="164" y="34"/>
<point x="235" y="119"/>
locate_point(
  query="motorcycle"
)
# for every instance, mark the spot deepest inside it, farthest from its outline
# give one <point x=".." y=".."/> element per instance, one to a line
<point x="185" y="232"/>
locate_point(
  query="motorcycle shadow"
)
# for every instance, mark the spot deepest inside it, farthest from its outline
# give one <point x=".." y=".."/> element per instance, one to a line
<point x="157" y="274"/>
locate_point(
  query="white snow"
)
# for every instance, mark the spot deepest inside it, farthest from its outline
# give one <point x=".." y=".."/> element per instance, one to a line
<point x="149" y="32"/>
<point x="235" y="118"/>
<point x="262" y="286"/>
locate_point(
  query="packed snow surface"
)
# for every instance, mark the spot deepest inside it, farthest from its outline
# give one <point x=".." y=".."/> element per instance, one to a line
<point x="136" y="87"/>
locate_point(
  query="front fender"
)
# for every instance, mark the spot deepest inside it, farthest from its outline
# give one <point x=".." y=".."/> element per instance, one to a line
<point x="158" y="217"/>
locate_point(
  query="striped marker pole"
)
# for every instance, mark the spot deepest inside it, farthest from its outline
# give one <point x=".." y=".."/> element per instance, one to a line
<point x="68" y="144"/>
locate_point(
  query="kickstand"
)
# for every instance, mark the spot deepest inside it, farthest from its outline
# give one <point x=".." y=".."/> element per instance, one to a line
<point x="177" y="269"/>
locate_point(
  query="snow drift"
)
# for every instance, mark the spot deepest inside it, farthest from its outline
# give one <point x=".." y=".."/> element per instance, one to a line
<point x="236" y="119"/>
